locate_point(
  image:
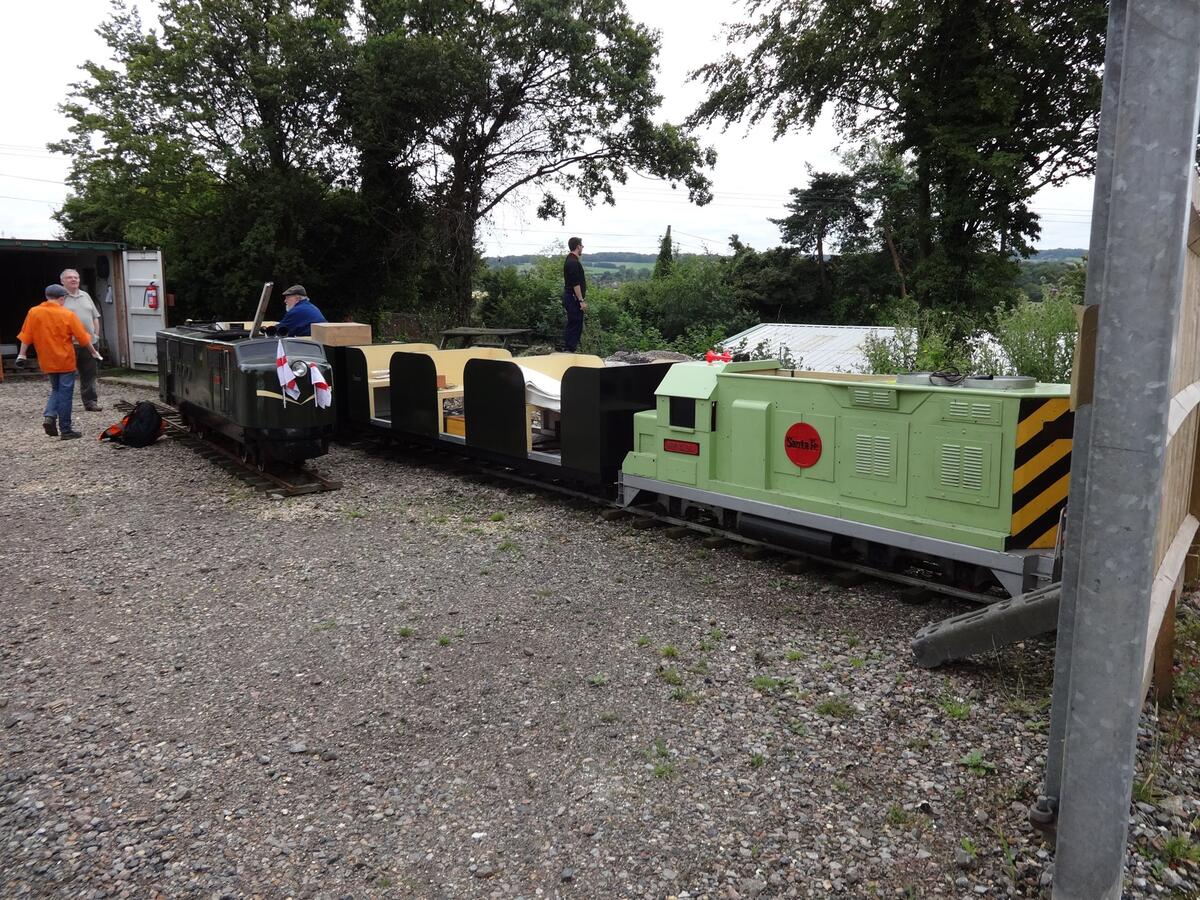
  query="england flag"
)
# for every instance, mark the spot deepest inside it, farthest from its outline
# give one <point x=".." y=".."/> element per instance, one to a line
<point x="322" y="393"/>
<point x="287" y="379"/>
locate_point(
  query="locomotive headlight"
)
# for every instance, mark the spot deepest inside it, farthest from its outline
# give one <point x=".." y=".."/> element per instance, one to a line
<point x="299" y="369"/>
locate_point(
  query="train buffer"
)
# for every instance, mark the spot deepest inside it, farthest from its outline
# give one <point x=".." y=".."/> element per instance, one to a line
<point x="988" y="628"/>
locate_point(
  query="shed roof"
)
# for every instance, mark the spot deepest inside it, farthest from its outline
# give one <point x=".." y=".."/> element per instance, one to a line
<point x="44" y="244"/>
<point x="816" y="348"/>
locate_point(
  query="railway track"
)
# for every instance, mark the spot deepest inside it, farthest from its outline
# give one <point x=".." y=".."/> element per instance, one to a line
<point x="919" y="588"/>
<point x="275" y="481"/>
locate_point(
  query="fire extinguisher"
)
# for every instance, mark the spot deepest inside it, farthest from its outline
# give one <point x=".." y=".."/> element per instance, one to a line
<point x="150" y="298"/>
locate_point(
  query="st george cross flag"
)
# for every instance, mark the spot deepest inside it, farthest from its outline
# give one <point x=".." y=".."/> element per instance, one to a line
<point x="287" y="379"/>
<point x="321" y="389"/>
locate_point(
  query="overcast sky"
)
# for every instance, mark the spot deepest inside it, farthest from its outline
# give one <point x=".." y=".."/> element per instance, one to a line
<point x="45" y="41"/>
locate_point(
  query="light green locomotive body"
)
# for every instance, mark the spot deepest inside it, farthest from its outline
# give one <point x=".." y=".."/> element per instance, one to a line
<point x="974" y="465"/>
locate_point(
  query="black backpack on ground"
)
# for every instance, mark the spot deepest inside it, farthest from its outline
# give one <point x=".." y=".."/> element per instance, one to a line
<point x="141" y="428"/>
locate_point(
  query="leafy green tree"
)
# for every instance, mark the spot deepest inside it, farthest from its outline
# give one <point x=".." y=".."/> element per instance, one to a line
<point x="993" y="101"/>
<point x="215" y="139"/>
<point x="828" y="210"/>
<point x="780" y="284"/>
<point x="887" y="191"/>
<point x="535" y="96"/>
<point x="666" y="256"/>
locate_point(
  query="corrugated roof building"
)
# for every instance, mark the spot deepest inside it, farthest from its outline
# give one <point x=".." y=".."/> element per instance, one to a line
<point x="816" y="348"/>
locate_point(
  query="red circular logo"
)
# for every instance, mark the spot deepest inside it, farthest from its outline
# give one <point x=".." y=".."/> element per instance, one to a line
<point x="802" y="445"/>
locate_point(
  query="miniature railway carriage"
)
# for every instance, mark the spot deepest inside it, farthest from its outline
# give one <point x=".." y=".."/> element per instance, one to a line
<point x="222" y="381"/>
<point x="889" y="470"/>
<point x="562" y="415"/>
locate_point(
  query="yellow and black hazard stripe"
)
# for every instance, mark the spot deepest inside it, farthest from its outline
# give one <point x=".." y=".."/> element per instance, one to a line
<point x="1041" y="471"/>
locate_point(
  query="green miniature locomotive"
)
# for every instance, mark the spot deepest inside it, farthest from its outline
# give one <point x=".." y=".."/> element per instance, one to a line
<point x="223" y="381"/>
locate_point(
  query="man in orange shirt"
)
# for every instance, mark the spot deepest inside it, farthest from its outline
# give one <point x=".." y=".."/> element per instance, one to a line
<point x="49" y="327"/>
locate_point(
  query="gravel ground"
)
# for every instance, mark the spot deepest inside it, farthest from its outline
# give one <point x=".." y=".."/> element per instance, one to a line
<point x="430" y="685"/>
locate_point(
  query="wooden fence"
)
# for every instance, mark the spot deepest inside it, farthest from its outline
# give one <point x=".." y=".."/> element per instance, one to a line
<point x="1178" y="547"/>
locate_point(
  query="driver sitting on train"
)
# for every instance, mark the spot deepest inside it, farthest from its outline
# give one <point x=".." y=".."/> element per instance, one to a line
<point x="301" y="314"/>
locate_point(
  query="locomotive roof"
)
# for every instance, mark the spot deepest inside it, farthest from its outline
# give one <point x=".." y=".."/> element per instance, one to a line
<point x="698" y="380"/>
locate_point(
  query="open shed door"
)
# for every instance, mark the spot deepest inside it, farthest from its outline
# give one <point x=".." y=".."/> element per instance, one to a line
<point x="141" y="267"/>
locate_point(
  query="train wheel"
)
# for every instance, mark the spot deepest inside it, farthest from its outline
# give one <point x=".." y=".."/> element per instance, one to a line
<point x="245" y="455"/>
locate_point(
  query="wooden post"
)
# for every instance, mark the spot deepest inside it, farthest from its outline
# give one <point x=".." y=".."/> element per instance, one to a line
<point x="1164" y="655"/>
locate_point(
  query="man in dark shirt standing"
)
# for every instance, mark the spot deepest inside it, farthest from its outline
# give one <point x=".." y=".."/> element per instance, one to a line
<point x="574" y="292"/>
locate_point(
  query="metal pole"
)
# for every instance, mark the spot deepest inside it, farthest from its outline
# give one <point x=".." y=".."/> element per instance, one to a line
<point x="1114" y="50"/>
<point x="1145" y="247"/>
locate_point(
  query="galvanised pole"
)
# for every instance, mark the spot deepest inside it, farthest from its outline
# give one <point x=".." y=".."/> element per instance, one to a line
<point x="1144" y="253"/>
<point x="1113" y="51"/>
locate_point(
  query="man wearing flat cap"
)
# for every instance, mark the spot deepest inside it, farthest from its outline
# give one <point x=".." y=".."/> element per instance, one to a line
<point x="49" y="326"/>
<point x="301" y="313"/>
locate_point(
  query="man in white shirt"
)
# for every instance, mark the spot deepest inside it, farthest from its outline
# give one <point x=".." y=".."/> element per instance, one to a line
<point x="80" y="303"/>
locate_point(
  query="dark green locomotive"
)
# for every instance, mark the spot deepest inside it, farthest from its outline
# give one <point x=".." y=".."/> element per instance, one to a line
<point x="223" y="381"/>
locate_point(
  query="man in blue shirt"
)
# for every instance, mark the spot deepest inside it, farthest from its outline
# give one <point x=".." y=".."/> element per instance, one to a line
<point x="301" y="314"/>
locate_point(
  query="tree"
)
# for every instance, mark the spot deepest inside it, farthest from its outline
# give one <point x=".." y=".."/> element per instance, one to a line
<point x="666" y="256"/>
<point x="218" y="141"/>
<point x="993" y="101"/>
<point x="534" y="95"/>
<point x="887" y="191"/>
<point x="827" y="210"/>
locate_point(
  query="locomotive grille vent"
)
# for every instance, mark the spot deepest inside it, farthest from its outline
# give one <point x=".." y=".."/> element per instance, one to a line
<point x="962" y="467"/>
<point x="874" y="456"/>
<point x="873" y="397"/>
<point x="964" y="409"/>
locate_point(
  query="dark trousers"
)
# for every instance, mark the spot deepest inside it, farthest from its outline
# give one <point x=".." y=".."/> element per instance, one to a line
<point x="574" y="329"/>
<point x="85" y="365"/>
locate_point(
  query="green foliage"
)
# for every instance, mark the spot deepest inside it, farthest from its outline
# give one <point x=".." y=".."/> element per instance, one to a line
<point x="897" y="815"/>
<point x="924" y="340"/>
<point x="990" y="102"/>
<point x="666" y="256"/>
<point x="671" y="676"/>
<point x="1179" y="848"/>
<point x="975" y="762"/>
<point x="836" y="708"/>
<point x="765" y="684"/>
<point x="532" y="97"/>
<point x="689" y="308"/>
<point x="828" y="210"/>
<point x="955" y="709"/>
<point x="1038" y="339"/>
<point x="345" y="144"/>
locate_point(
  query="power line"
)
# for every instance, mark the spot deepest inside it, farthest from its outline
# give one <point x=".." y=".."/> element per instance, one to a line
<point x="30" y="178"/>
<point x="30" y="200"/>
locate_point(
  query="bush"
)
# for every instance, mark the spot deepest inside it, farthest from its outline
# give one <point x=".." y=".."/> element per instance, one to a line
<point x="1036" y="339"/>
<point x="531" y="299"/>
<point x="924" y="341"/>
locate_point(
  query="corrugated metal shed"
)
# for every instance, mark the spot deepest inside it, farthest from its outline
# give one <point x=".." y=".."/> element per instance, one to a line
<point x="817" y="348"/>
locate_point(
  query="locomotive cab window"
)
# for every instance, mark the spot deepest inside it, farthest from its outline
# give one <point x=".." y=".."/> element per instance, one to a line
<point x="683" y="412"/>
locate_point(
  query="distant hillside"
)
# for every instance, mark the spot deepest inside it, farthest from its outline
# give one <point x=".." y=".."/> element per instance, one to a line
<point x="589" y="259"/>
<point x="1063" y="253"/>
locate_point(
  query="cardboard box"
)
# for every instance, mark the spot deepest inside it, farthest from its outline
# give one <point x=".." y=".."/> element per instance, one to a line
<point x="456" y="425"/>
<point x="341" y="334"/>
<point x="441" y="382"/>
